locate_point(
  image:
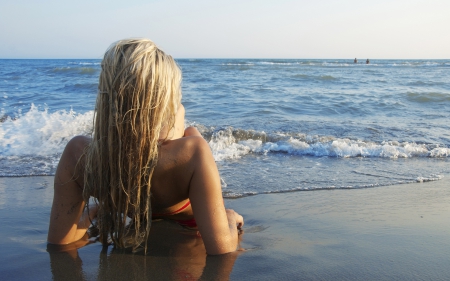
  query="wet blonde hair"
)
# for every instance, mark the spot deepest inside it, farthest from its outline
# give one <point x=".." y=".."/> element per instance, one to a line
<point x="139" y="92"/>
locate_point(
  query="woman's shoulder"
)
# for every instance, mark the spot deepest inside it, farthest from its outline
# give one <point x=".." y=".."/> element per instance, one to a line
<point x="79" y="141"/>
<point x="76" y="147"/>
<point x="184" y="155"/>
<point x="186" y="147"/>
<point x="192" y="142"/>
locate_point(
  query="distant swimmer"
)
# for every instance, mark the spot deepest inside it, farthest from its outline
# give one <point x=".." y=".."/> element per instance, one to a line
<point x="367" y="61"/>
<point x="355" y="61"/>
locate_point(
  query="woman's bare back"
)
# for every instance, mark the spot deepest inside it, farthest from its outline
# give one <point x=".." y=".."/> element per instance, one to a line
<point x="185" y="171"/>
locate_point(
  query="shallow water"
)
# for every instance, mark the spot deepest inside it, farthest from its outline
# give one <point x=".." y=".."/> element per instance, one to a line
<point x="396" y="232"/>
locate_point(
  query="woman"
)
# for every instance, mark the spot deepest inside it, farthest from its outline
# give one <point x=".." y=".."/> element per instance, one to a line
<point x="140" y="163"/>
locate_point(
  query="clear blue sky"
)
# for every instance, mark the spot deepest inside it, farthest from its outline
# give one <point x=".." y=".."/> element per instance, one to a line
<point x="404" y="29"/>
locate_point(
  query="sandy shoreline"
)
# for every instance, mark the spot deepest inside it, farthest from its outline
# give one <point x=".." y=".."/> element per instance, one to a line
<point x="393" y="233"/>
<point x="397" y="232"/>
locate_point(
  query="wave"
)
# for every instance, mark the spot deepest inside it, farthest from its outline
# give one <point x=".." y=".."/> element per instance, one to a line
<point x="426" y="83"/>
<point x="419" y="63"/>
<point x="40" y="133"/>
<point x="312" y="77"/>
<point x="84" y="63"/>
<point x="341" y="63"/>
<point x="92" y="87"/>
<point x="305" y="62"/>
<point x="327" y="77"/>
<point x="240" y="194"/>
<point x="76" y="70"/>
<point x="428" y="97"/>
<point x="278" y="62"/>
<point x="335" y="64"/>
<point x="238" y="64"/>
<point x="32" y="142"/>
<point x="229" y="143"/>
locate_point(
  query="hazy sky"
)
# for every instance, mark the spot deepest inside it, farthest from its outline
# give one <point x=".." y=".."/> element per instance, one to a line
<point x="229" y="29"/>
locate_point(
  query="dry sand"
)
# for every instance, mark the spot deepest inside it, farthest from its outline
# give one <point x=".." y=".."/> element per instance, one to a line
<point x="385" y="233"/>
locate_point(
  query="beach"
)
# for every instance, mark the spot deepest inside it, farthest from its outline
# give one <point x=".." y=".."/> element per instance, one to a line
<point x="397" y="232"/>
<point x="341" y="170"/>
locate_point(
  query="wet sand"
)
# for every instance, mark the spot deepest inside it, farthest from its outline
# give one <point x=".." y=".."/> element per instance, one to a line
<point x="397" y="232"/>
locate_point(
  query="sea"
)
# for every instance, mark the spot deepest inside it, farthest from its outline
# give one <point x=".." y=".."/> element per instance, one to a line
<point x="273" y="125"/>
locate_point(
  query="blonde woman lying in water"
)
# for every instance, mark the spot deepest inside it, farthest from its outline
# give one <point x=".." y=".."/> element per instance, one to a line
<point x="140" y="163"/>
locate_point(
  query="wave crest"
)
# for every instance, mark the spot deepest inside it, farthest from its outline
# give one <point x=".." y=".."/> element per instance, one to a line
<point x="229" y="143"/>
<point x="40" y="133"/>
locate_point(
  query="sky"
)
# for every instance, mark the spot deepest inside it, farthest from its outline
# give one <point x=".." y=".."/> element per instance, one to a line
<point x="321" y="29"/>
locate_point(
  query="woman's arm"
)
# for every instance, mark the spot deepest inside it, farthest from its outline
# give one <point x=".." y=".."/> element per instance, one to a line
<point x="68" y="219"/>
<point x="218" y="227"/>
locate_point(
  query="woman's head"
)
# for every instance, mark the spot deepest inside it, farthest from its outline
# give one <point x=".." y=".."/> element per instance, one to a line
<point x="139" y="84"/>
<point x="139" y="93"/>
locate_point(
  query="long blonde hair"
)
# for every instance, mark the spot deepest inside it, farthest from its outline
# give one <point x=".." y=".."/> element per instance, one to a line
<point x="139" y="92"/>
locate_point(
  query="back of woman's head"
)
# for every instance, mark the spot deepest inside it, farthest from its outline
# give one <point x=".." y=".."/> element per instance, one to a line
<point x="138" y="83"/>
<point x="139" y="92"/>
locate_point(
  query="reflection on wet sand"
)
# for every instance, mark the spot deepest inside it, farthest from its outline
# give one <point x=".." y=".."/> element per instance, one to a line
<point x="174" y="253"/>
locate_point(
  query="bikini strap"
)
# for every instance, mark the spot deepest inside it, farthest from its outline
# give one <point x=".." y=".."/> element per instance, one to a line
<point x="174" y="212"/>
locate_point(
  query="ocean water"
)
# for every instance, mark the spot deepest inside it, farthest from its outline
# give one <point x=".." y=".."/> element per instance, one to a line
<point x="272" y="125"/>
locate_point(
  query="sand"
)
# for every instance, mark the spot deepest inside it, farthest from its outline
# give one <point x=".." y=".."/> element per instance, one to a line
<point x="397" y="232"/>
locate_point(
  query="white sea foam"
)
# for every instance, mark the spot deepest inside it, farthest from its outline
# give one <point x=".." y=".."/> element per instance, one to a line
<point x="34" y="141"/>
<point x="85" y="63"/>
<point x="239" y="64"/>
<point x="335" y="64"/>
<point x="40" y="133"/>
<point x="430" y="178"/>
<point x="225" y="146"/>
<point x="277" y="63"/>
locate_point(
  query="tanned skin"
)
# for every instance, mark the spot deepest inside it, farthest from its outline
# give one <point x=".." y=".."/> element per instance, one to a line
<point x="186" y="170"/>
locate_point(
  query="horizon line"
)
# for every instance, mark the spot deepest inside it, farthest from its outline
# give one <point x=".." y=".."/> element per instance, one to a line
<point x="236" y="58"/>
